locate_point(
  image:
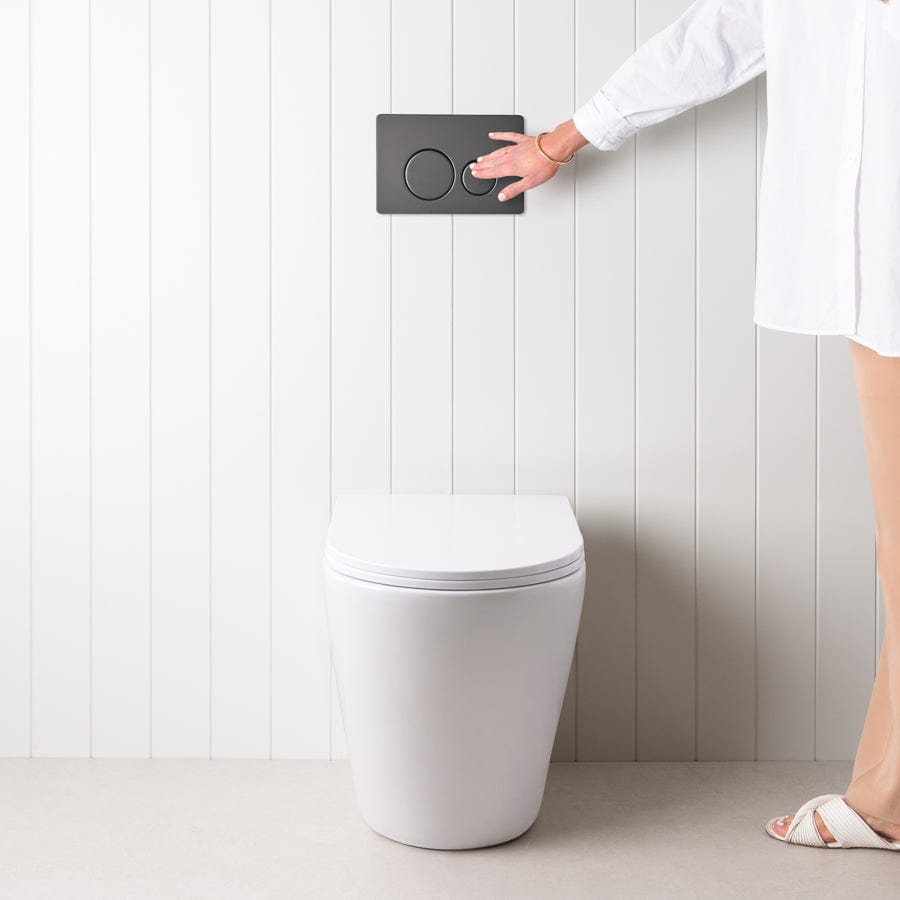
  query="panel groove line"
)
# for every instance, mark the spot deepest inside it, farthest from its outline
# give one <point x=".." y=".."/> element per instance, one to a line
<point x="120" y="379"/>
<point x="61" y="438"/>
<point x="666" y="339"/>
<point x="696" y="573"/>
<point x="90" y="374"/>
<point x="301" y="415"/>
<point x="545" y="288"/>
<point x="725" y="445"/>
<point x="269" y="324"/>
<point x="786" y="536"/>
<point x="149" y="378"/>
<point x="421" y="269"/>
<point x="759" y="137"/>
<point x="210" y="376"/>
<point x="604" y="247"/>
<point x="15" y="356"/>
<point x="574" y="501"/>
<point x="240" y="386"/>
<point x="483" y="273"/>
<point x="179" y="378"/>
<point x="361" y="265"/>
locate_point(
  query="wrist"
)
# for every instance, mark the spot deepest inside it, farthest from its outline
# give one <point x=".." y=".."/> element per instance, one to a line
<point x="564" y="140"/>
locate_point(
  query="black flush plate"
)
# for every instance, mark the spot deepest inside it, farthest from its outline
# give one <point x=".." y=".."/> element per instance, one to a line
<point x="422" y="163"/>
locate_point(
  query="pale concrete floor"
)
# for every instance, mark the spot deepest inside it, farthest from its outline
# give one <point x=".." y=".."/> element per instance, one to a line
<point x="198" y="829"/>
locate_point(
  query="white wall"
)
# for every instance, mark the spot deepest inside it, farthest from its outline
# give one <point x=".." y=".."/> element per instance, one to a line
<point x="207" y="332"/>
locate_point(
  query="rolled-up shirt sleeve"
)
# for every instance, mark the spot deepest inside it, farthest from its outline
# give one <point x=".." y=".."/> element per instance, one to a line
<point x="714" y="47"/>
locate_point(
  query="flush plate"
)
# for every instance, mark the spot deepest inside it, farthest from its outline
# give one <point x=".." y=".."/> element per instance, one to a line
<point x="422" y="163"/>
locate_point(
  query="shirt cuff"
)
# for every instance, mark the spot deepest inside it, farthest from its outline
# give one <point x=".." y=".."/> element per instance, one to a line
<point x="602" y="124"/>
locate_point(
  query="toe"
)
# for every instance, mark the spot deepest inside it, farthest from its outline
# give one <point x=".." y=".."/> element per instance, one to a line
<point x="780" y="826"/>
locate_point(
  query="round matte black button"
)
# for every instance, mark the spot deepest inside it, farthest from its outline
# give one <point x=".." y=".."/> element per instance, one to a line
<point x="477" y="186"/>
<point x="429" y="174"/>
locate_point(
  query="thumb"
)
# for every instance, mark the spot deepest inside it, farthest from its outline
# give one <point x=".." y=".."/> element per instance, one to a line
<point x="514" y="189"/>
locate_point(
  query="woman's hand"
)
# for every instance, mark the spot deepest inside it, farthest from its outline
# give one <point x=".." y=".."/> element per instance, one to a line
<point x="522" y="159"/>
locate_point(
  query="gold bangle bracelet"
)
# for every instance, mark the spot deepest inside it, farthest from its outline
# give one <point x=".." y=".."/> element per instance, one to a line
<point x="550" y="159"/>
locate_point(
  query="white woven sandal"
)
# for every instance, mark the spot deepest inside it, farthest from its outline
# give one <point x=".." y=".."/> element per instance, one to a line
<point x="847" y="826"/>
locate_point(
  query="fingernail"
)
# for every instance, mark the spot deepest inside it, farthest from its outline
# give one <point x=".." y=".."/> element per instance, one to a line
<point x="472" y="165"/>
<point x="501" y="197"/>
<point x="490" y="134"/>
<point x="479" y="159"/>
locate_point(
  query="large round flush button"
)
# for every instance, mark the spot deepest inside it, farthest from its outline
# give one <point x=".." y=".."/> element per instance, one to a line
<point x="429" y="174"/>
<point x="477" y="186"/>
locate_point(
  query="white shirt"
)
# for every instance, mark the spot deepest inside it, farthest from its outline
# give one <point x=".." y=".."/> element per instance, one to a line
<point x="828" y="249"/>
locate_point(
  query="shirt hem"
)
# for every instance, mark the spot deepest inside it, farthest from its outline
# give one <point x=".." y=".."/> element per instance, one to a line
<point x="852" y="337"/>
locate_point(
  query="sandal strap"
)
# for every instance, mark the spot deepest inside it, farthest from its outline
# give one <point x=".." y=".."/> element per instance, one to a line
<point x="850" y="828"/>
<point x="802" y="829"/>
<point x="847" y="826"/>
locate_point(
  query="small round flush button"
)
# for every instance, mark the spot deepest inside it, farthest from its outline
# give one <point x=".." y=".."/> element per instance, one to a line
<point x="477" y="186"/>
<point x="429" y="174"/>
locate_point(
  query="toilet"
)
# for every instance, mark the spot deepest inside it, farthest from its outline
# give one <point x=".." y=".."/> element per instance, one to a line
<point x="452" y="620"/>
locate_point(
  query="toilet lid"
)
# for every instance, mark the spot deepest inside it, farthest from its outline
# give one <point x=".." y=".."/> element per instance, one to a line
<point x="454" y="541"/>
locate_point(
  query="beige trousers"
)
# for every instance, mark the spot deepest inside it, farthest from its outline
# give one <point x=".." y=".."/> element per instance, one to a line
<point x="875" y="783"/>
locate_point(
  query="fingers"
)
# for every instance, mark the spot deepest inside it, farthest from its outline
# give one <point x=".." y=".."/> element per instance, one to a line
<point x="499" y="157"/>
<point x="497" y="168"/>
<point x="501" y="152"/>
<point x="504" y="161"/>
<point x="508" y="136"/>
<point x="514" y="189"/>
<point x="525" y="183"/>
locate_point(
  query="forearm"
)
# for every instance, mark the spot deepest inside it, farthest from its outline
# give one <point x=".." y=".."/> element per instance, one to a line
<point x="711" y="49"/>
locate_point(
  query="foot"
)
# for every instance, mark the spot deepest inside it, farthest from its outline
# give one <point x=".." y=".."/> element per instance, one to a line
<point x="780" y="827"/>
<point x="879" y="826"/>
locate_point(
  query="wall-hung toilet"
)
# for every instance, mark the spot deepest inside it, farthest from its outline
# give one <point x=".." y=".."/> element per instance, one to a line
<point x="452" y="621"/>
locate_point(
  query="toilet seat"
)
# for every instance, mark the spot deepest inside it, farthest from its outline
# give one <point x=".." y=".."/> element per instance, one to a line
<point x="463" y="542"/>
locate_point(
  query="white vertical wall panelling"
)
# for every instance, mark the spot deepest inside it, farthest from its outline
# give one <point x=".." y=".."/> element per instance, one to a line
<point x="60" y="449"/>
<point x="786" y="526"/>
<point x="301" y="273"/>
<point x="179" y="367"/>
<point x="298" y="418"/>
<point x="786" y="603"/>
<point x="240" y="413"/>
<point x="14" y="383"/>
<point x="545" y="289"/>
<point x="483" y="268"/>
<point x="421" y="267"/>
<point x="361" y="392"/>
<point x="604" y="278"/>
<point x="846" y="559"/>
<point x="726" y="426"/>
<point x="120" y="372"/>
<point x="666" y="425"/>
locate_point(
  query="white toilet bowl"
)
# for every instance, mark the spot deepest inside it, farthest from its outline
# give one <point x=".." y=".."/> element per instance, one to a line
<point x="452" y="621"/>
